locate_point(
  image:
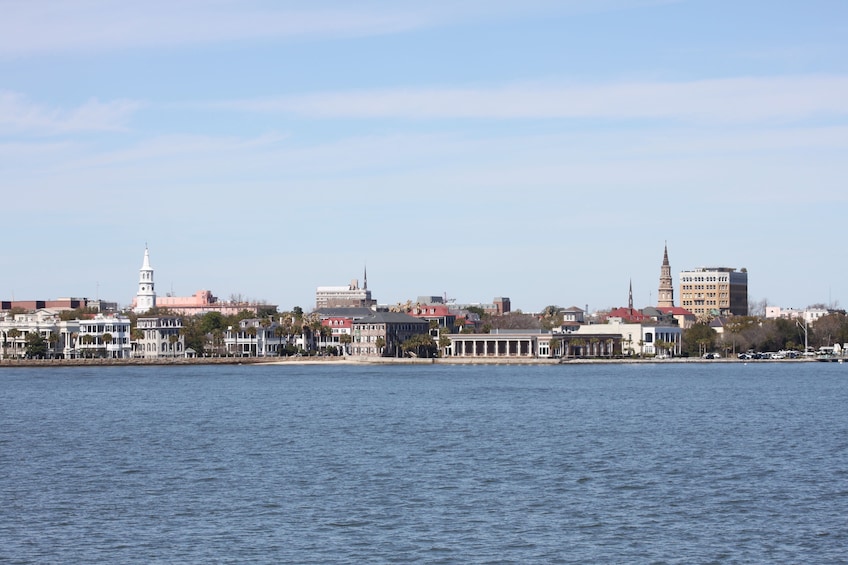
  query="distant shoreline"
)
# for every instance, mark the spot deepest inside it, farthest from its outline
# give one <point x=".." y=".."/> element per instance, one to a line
<point x="364" y="361"/>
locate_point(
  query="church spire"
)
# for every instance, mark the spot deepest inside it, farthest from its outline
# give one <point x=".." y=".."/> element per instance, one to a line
<point x="665" y="296"/>
<point x="145" y="299"/>
<point x="630" y="297"/>
<point x="365" y="277"/>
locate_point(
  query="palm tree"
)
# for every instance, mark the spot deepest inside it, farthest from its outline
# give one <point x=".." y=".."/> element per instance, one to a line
<point x="279" y="332"/>
<point x="107" y="339"/>
<point x="578" y="344"/>
<point x="87" y="339"/>
<point x="14" y="333"/>
<point x="217" y="340"/>
<point x="235" y="331"/>
<point x="252" y="332"/>
<point x="346" y="340"/>
<point x="173" y="339"/>
<point x="52" y="340"/>
<point x="380" y="343"/>
<point x="554" y="345"/>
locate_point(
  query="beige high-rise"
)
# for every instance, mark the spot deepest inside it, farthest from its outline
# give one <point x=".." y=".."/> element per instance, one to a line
<point x="714" y="291"/>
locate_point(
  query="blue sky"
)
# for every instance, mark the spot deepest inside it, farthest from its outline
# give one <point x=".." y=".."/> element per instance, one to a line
<point x="539" y="150"/>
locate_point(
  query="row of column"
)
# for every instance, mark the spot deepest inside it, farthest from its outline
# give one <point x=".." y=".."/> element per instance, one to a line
<point x="492" y="347"/>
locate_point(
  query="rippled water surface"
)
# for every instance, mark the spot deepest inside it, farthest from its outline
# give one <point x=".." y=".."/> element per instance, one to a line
<point x="699" y="463"/>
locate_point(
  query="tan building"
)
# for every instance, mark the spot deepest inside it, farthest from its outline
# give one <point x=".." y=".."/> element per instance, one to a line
<point x="714" y="291"/>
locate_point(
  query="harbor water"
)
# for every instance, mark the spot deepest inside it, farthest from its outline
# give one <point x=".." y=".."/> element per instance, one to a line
<point x="637" y="463"/>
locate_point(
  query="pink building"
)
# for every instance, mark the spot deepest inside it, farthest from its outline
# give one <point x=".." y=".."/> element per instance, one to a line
<point x="202" y="302"/>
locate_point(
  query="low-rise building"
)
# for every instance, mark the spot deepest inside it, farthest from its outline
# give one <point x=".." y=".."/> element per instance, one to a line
<point x="532" y="344"/>
<point x="383" y="333"/>
<point x="159" y="337"/>
<point x="105" y="336"/>
<point x="643" y="338"/>
<point x="255" y="337"/>
<point x="15" y="332"/>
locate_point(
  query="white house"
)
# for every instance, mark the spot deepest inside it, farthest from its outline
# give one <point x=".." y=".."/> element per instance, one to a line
<point x="639" y="338"/>
<point x="105" y="336"/>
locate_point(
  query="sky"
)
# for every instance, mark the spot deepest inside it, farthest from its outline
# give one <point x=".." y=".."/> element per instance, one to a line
<point x="544" y="151"/>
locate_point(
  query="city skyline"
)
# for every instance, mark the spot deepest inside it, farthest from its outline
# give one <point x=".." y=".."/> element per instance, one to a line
<point x="540" y="150"/>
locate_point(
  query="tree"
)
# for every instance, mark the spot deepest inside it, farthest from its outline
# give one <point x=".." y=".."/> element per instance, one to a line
<point x="831" y="329"/>
<point x="554" y="346"/>
<point x="346" y="340"/>
<point x="14" y="334"/>
<point x="36" y="346"/>
<point x="577" y="343"/>
<point x="551" y="317"/>
<point x="212" y="321"/>
<point x="251" y="332"/>
<point x="217" y="341"/>
<point x="380" y="343"/>
<point x="280" y="331"/>
<point x="697" y="339"/>
<point x="421" y="344"/>
<point x="173" y="339"/>
<point x="194" y="335"/>
<point x="52" y="340"/>
<point x="514" y="321"/>
<point x="107" y="339"/>
<point x="444" y="341"/>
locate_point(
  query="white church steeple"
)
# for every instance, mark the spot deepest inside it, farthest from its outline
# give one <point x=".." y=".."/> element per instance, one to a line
<point x="146" y="298"/>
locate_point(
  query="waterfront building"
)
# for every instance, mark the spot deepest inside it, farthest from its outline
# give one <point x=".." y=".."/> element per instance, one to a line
<point x="105" y="336"/>
<point x="646" y="337"/>
<point x="714" y="291"/>
<point x="337" y="327"/>
<point x="392" y="328"/>
<point x="533" y="344"/>
<point x="255" y="337"/>
<point x="15" y="333"/>
<point x="159" y="337"/>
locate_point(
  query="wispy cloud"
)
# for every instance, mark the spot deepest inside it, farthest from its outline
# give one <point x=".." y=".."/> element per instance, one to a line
<point x="61" y="26"/>
<point x="19" y="115"/>
<point x="28" y="28"/>
<point x="745" y="99"/>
